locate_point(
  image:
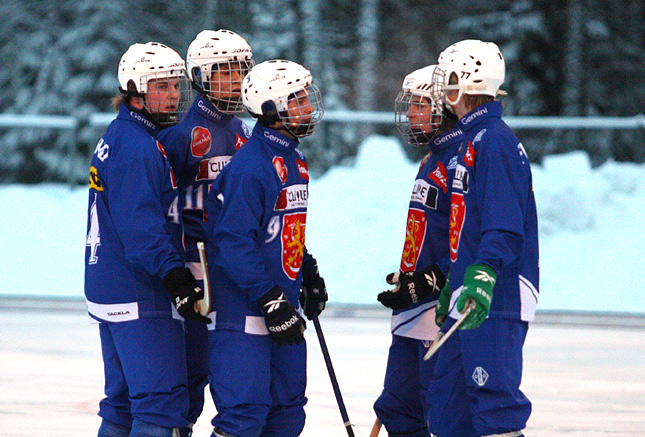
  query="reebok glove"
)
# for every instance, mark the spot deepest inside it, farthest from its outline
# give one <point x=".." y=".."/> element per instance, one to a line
<point x="283" y="322"/>
<point x="479" y="281"/>
<point x="184" y="292"/>
<point x="313" y="293"/>
<point x="411" y="287"/>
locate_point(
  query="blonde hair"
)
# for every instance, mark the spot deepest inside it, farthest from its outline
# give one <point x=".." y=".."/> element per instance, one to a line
<point x="473" y="101"/>
<point x="122" y="98"/>
<point x="117" y="100"/>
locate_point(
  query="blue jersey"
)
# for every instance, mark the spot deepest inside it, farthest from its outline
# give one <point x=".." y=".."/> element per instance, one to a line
<point x="198" y="149"/>
<point x="493" y="215"/>
<point x="257" y="211"/>
<point x="133" y="238"/>
<point x="426" y="233"/>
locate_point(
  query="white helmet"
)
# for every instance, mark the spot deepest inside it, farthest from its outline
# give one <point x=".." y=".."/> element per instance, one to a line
<point x="418" y="109"/>
<point x="478" y="65"/>
<point x="153" y="63"/>
<point x="219" y="50"/>
<point x="280" y="90"/>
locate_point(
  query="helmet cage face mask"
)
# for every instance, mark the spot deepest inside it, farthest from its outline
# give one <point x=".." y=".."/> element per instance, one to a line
<point x="418" y="111"/>
<point x="217" y="63"/>
<point x="167" y="98"/>
<point x="303" y="112"/>
<point x="417" y="117"/>
<point x="222" y="85"/>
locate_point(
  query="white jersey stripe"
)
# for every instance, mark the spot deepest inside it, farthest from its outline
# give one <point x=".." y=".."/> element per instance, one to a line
<point x="116" y="312"/>
<point x="416" y="323"/>
<point x="528" y="299"/>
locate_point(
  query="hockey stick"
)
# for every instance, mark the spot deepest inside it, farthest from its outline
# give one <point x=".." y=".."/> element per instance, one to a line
<point x="441" y="338"/>
<point x="203" y="306"/>
<point x="376" y="428"/>
<point x="332" y="377"/>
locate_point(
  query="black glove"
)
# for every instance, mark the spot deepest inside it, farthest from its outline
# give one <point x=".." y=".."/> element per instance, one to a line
<point x="313" y="293"/>
<point x="411" y="287"/>
<point x="283" y="322"/>
<point x="184" y="292"/>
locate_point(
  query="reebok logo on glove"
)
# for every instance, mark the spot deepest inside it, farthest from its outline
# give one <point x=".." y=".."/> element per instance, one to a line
<point x="432" y="280"/>
<point x="413" y="292"/>
<point x="286" y="325"/>
<point x="179" y="302"/>
<point x="483" y="276"/>
<point x="484" y="294"/>
<point x="274" y="304"/>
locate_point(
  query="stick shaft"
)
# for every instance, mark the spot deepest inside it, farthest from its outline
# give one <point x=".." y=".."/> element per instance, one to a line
<point x="376" y="429"/>
<point x="332" y="377"/>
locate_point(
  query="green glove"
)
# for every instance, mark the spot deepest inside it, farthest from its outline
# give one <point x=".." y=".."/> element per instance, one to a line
<point x="479" y="281"/>
<point x="443" y="304"/>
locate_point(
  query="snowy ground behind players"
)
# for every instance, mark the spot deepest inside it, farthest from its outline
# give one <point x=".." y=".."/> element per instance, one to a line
<point x="591" y="239"/>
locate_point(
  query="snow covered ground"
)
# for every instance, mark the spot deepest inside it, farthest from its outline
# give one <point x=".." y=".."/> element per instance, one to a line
<point x="591" y="237"/>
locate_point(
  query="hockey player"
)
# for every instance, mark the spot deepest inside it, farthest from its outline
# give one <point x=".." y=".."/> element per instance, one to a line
<point x="257" y="210"/>
<point x="494" y="253"/>
<point x="198" y="148"/>
<point x="134" y="271"/>
<point x="422" y="121"/>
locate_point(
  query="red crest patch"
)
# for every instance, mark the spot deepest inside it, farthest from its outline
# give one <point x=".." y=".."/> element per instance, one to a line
<point x="303" y="169"/>
<point x="470" y="155"/>
<point x="200" y="141"/>
<point x="280" y="168"/>
<point x="457" y="216"/>
<point x="415" y="233"/>
<point x="440" y="177"/>
<point x="239" y="141"/>
<point x="293" y="243"/>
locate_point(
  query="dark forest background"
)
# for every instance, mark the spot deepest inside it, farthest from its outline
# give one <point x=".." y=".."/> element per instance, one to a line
<point x="563" y="58"/>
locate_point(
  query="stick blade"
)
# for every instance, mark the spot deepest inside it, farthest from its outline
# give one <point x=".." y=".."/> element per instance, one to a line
<point x="204" y="306"/>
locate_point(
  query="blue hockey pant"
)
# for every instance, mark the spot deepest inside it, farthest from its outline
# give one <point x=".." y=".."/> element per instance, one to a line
<point x="197" y="364"/>
<point x="145" y="374"/>
<point x="474" y="389"/>
<point x="258" y="387"/>
<point x="401" y="407"/>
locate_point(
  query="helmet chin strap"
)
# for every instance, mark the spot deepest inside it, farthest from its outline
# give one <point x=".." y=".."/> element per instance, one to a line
<point x="422" y="138"/>
<point x="297" y="130"/>
<point x="271" y="118"/>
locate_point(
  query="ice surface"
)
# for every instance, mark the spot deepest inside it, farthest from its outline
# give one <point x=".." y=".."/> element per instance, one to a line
<point x="583" y="381"/>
